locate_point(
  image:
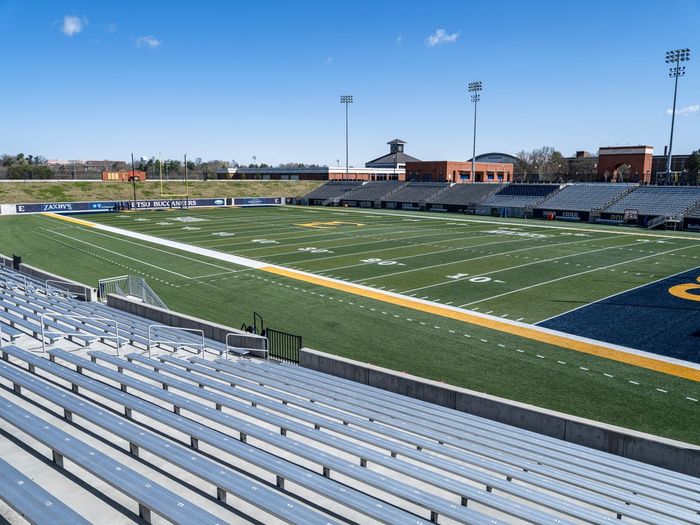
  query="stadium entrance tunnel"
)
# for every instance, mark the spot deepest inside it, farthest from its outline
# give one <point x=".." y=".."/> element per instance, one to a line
<point x="661" y="317"/>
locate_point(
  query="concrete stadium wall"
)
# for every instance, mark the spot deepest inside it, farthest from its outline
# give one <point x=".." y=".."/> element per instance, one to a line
<point x="211" y="330"/>
<point x="666" y="453"/>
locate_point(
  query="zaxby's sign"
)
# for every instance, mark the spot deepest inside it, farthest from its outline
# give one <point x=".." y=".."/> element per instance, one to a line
<point x="64" y="207"/>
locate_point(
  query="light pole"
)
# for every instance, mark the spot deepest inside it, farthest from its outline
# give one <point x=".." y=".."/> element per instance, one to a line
<point x="347" y="100"/>
<point x="474" y="88"/>
<point x="675" y="57"/>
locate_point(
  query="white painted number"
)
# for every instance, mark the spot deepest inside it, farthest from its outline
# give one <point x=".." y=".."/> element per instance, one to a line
<point x="311" y="249"/>
<point x="381" y="262"/>
<point x="264" y="241"/>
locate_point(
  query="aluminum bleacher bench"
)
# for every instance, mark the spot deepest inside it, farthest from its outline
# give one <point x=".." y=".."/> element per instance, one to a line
<point x="608" y="497"/>
<point x="328" y="461"/>
<point x="34" y="329"/>
<point x="456" y="486"/>
<point x="465" y="427"/>
<point x="283" y="469"/>
<point x="560" y="466"/>
<point x="225" y="479"/>
<point x="32" y="502"/>
<point x="150" y="496"/>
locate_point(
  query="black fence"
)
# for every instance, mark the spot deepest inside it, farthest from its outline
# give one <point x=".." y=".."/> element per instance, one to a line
<point x="283" y="346"/>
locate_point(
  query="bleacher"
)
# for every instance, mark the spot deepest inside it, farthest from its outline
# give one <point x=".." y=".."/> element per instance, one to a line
<point x="415" y="193"/>
<point x="189" y="437"/>
<point x="585" y="196"/>
<point x="372" y="191"/>
<point x="465" y="194"/>
<point x="520" y="195"/>
<point x="658" y="200"/>
<point x="694" y="212"/>
<point x="331" y="190"/>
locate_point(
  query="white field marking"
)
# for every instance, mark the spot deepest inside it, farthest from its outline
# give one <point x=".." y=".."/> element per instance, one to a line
<point x="548" y="245"/>
<point x="419" y="254"/>
<point x="307" y="238"/>
<point x="97" y="247"/>
<point x="614" y="295"/>
<point x="608" y="375"/>
<point x="374" y="250"/>
<point x="578" y="254"/>
<point x="563" y="228"/>
<point x="574" y="275"/>
<point x="227" y="257"/>
<point x="153" y="248"/>
<point x="256" y="264"/>
<point x="691" y="399"/>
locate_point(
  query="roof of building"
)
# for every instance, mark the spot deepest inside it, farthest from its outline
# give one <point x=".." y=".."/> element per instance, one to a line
<point x="397" y="141"/>
<point x="401" y="158"/>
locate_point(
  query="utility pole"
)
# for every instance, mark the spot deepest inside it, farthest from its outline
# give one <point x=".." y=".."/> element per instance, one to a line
<point x="133" y="178"/>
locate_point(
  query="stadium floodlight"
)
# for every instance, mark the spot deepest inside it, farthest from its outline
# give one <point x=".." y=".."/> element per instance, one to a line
<point x="675" y="58"/>
<point x="347" y="100"/>
<point x="474" y="88"/>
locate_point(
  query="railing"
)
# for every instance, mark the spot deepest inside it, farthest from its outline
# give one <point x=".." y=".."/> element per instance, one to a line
<point x="229" y="347"/>
<point x="151" y="339"/>
<point x="283" y="346"/>
<point x="128" y="285"/>
<point x="56" y="316"/>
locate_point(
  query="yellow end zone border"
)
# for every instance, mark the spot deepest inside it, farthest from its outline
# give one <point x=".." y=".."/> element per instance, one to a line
<point x="526" y="331"/>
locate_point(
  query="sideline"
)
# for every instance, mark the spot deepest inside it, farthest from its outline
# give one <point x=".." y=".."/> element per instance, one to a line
<point x="659" y="363"/>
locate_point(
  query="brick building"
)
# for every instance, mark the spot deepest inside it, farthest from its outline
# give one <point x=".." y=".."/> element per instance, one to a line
<point x="457" y="171"/>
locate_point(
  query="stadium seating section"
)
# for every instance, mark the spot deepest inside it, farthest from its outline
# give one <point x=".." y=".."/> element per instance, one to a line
<point x="373" y="191"/>
<point x="520" y="195"/>
<point x="332" y="190"/>
<point x="187" y="437"/>
<point x="585" y="197"/>
<point x="465" y="194"/>
<point x="417" y="192"/>
<point x="658" y="200"/>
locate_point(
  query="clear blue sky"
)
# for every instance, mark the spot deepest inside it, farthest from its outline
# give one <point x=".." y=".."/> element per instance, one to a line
<point x="229" y="80"/>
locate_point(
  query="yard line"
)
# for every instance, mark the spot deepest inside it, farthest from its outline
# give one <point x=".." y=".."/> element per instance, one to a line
<point x="576" y="275"/>
<point x="548" y="245"/>
<point x="468" y="247"/>
<point x="360" y="244"/>
<point x="141" y="245"/>
<point x="96" y="246"/>
<point x="525" y="225"/>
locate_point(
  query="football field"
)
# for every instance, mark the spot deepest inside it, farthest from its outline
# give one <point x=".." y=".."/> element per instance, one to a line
<point x="450" y="297"/>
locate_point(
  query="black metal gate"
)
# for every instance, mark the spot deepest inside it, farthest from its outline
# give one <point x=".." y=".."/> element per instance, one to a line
<point x="283" y="346"/>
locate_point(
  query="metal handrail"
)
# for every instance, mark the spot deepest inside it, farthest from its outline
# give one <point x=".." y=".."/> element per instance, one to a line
<point x="180" y="343"/>
<point x="266" y="349"/>
<point x="56" y="316"/>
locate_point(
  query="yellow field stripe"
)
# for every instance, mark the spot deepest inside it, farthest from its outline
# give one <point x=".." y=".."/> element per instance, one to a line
<point x="70" y="219"/>
<point x="531" y="333"/>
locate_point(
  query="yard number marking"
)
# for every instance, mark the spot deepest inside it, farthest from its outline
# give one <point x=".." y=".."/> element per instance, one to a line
<point x="381" y="262"/>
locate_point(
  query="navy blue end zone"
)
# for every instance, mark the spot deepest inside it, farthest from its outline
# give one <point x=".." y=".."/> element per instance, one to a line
<point x="648" y="318"/>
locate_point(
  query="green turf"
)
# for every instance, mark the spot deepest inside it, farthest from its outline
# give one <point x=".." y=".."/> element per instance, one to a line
<point x="426" y="251"/>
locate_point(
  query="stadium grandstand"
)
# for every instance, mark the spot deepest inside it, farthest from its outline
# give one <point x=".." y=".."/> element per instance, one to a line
<point x="658" y="200"/>
<point x="331" y="191"/>
<point x="370" y="193"/>
<point x="198" y="432"/>
<point x="585" y="196"/>
<point x="414" y="194"/>
<point x="462" y="196"/>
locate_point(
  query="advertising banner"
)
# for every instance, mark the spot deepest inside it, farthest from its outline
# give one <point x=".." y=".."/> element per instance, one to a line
<point x="103" y="206"/>
<point x="160" y="204"/>
<point x="65" y="207"/>
<point x="257" y="201"/>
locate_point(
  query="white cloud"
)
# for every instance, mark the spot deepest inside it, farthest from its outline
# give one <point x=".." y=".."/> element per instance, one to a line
<point x="329" y="60"/>
<point x="148" y="41"/>
<point x="441" y="37"/>
<point x="685" y="111"/>
<point x="111" y="27"/>
<point x="399" y="40"/>
<point x="72" y="25"/>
